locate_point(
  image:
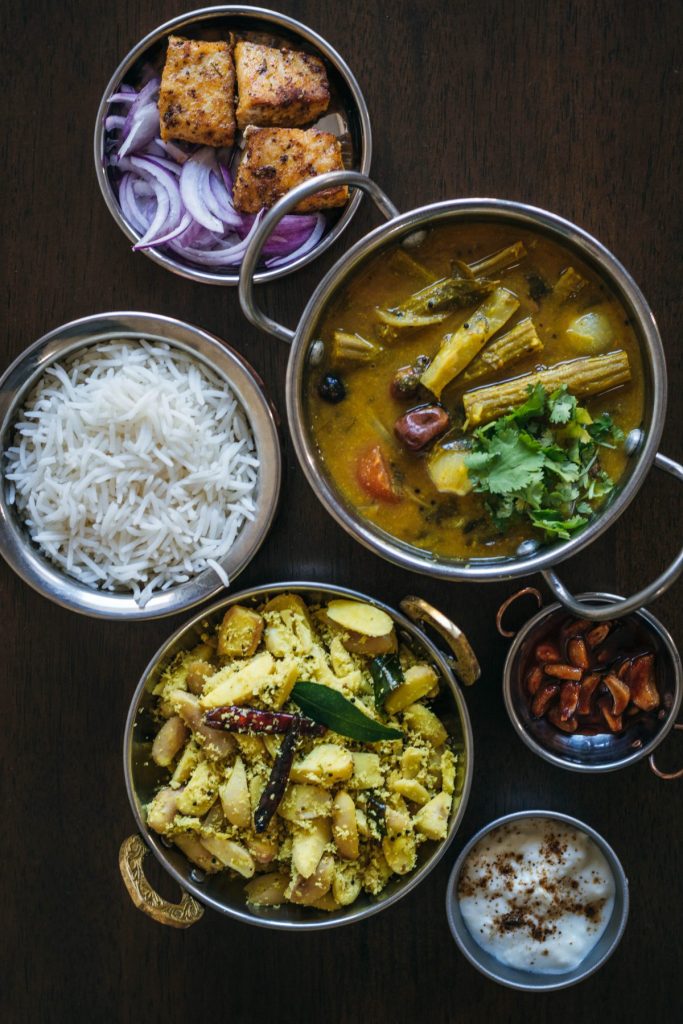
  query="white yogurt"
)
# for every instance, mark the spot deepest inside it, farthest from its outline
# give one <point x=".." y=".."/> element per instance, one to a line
<point x="537" y="895"/>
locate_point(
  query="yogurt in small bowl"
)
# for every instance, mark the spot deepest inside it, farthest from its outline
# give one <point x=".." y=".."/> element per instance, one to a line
<point x="537" y="901"/>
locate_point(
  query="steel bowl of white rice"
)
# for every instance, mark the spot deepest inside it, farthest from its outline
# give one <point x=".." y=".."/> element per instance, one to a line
<point x="140" y="465"/>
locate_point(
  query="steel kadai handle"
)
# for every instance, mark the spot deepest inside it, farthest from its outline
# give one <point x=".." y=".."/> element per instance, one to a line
<point x="631" y="604"/>
<point x="334" y="179"/>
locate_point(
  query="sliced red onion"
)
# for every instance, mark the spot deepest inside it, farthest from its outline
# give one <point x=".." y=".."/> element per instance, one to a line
<point x="228" y="255"/>
<point x="122" y="97"/>
<point x="313" y="239"/>
<point x="174" y="151"/>
<point x="169" y="210"/>
<point x="114" y="122"/>
<point x="173" y="233"/>
<point x="129" y="206"/>
<point x="193" y="183"/>
<point x="144" y="127"/>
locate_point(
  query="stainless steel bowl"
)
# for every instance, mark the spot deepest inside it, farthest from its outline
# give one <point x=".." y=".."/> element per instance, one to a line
<point x="218" y="891"/>
<point x="24" y="556"/>
<point x="527" y="981"/>
<point x="347" y="118"/>
<point x="604" y="752"/>
<point x="400" y="229"/>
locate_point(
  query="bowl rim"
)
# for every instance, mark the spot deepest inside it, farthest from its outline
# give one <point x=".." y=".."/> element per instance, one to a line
<point x="21" y="375"/>
<point x="564" y="233"/>
<point x="330" y="920"/>
<point x="204" y="275"/>
<point x="539" y="749"/>
<point x="458" y="927"/>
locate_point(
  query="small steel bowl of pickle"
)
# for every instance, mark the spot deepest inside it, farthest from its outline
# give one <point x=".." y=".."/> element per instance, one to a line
<point x="591" y="696"/>
<point x="297" y="756"/>
<point x="496" y="376"/>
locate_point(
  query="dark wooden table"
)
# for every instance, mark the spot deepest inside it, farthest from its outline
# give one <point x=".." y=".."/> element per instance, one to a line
<point x="575" y="107"/>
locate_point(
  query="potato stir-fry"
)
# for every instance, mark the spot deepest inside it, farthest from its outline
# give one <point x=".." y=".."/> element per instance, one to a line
<point x="267" y="778"/>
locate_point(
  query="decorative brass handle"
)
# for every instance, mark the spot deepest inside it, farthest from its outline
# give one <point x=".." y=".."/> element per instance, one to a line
<point x="466" y="664"/>
<point x="666" y="775"/>
<point x="131" y="865"/>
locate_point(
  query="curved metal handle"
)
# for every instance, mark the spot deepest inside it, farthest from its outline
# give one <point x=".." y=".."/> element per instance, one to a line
<point x="658" y="772"/>
<point x="466" y="664"/>
<point x="176" y="915"/>
<point x="644" y="597"/>
<point x="251" y="257"/>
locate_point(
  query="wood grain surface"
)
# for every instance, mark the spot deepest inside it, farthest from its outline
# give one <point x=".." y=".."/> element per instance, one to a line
<point x="572" y="106"/>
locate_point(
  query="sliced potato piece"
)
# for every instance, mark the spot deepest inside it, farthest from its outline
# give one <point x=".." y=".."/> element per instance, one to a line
<point x="358" y="617"/>
<point x="267" y="890"/>
<point x="163" y="809"/>
<point x="423" y="721"/>
<point x="231" y="855"/>
<point x="308" y="890"/>
<point x="302" y="802"/>
<point x="288" y="603"/>
<point x="448" y="769"/>
<point x="400" y="853"/>
<point x="326" y="902"/>
<point x="432" y="819"/>
<point x="411" y="789"/>
<point x="197" y="674"/>
<point x="282" y="682"/>
<point x="262" y="848"/>
<point x="200" y="792"/>
<point x="367" y="772"/>
<point x="370" y="646"/>
<point x="412" y="760"/>
<point x="448" y="471"/>
<point x="214" y="741"/>
<point x="238" y="686"/>
<point x="250" y="746"/>
<point x="418" y="680"/>
<point x="346" y="885"/>
<point x="326" y="764"/>
<point x="234" y="796"/>
<point x="196" y="852"/>
<point x="345" y="826"/>
<point x="187" y="762"/>
<point x="169" y="740"/>
<point x="308" y="845"/>
<point x="240" y="632"/>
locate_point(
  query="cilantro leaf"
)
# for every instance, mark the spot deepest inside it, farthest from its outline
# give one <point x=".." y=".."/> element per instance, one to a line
<point x="540" y="462"/>
<point x="514" y="462"/>
<point x="562" y="406"/>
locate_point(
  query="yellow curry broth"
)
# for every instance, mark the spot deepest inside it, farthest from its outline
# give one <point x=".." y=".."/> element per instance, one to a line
<point x="449" y="525"/>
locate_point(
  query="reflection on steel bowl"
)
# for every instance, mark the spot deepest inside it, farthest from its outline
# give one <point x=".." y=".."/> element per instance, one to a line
<point x="329" y="770"/>
<point x="633" y="352"/>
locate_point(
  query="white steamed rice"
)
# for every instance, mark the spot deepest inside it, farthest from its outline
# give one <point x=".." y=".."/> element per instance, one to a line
<point x="133" y="467"/>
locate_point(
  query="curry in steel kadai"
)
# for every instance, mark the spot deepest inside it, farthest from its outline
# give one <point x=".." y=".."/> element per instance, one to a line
<point x="475" y="391"/>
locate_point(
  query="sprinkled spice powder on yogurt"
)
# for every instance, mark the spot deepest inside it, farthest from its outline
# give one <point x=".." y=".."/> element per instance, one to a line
<point x="537" y="895"/>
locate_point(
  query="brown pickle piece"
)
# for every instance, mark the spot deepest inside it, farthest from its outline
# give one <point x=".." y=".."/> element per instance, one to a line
<point x="564" y="672"/>
<point x="534" y="680"/>
<point x="565" y="724"/>
<point x="589" y="685"/>
<point x="620" y="691"/>
<point x="598" y="634"/>
<point x="613" y="721"/>
<point x="569" y="699"/>
<point x="547" y="652"/>
<point x="641" y="680"/>
<point x="545" y="695"/>
<point x="577" y="653"/>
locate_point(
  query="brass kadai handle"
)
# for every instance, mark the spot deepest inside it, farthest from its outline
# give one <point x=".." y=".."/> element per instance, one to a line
<point x="131" y="865"/>
<point x="466" y="665"/>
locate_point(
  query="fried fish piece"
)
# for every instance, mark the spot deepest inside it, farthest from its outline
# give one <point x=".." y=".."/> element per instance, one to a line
<point x="279" y="87"/>
<point x="197" y="95"/>
<point x="277" y="159"/>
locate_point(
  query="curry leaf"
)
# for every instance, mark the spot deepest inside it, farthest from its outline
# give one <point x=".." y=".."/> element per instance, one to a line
<point x="330" y="708"/>
<point x="387" y="675"/>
